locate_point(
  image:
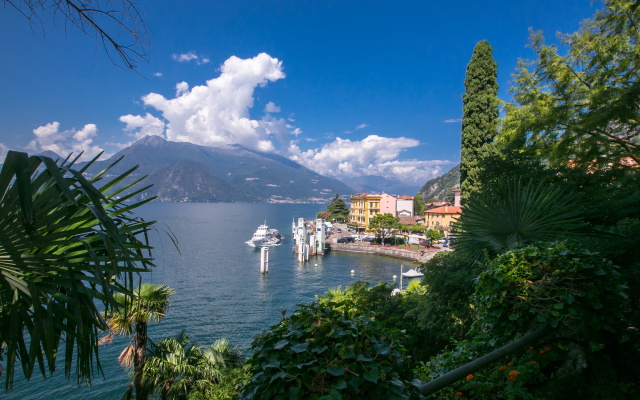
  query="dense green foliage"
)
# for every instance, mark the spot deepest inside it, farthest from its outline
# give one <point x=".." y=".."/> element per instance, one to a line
<point x="580" y="102"/>
<point x="418" y="204"/>
<point x="623" y="250"/>
<point x="479" y="114"/>
<point x="448" y="311"/>
<point x="560" y="284"/>
<point x="176" y="368"/>
<point x="328" y="350"/>
<point x="382" y="223"/>
<point x="67" y="245"/>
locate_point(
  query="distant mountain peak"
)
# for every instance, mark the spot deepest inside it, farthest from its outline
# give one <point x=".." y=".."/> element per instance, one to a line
<point x="151" y="140"/>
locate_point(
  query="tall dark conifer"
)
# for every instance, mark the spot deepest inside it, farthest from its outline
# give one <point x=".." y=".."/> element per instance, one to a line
<point x="479" y="114"/>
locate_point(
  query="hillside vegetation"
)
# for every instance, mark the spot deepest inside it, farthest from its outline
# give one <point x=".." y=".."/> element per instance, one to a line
<point x="438" y="188"/>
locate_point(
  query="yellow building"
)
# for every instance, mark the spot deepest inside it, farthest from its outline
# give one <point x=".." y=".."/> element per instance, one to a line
<point x="442" y="218"/>
<point x="363" y="208"/>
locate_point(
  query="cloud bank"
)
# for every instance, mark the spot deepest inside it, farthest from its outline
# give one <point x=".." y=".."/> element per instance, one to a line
<point x="217" y="113"/>
<point x="373" y="155"/>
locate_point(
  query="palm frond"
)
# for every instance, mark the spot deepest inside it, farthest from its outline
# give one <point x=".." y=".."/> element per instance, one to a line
<point x="63" y="246"/>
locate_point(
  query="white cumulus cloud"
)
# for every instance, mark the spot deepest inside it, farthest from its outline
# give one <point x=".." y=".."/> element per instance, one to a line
<point x="158" y="74"/>
<point x="271" y="108"/>
<point x="373" y="155"/>
<point x="217" y="113"/>
<point x="139" y="126"/>
<point x="181" y="88"/>
<point x="190" y="56"/>
<point x="49" y="137"/>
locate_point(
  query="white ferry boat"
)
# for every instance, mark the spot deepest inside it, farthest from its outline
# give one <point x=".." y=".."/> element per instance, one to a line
<point x="265" y="237"/>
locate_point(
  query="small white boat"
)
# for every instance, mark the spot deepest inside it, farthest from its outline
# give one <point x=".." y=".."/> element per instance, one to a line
<point x="412" y="273"/>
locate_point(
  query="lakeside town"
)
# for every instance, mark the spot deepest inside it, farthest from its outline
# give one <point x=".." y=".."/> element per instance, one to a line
<point x="489" y="165"/>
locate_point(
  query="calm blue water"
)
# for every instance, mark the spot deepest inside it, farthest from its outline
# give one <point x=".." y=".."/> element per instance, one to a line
<point x="219" y="289"/>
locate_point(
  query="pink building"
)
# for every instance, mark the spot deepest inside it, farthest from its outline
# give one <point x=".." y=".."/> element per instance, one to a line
<point x="388" y="204"/>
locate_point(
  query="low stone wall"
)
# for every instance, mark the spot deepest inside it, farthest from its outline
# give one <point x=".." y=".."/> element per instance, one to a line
<point x="385" y="251"/>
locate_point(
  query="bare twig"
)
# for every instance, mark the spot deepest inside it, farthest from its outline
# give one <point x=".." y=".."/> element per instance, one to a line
<point x="117" y="24"/>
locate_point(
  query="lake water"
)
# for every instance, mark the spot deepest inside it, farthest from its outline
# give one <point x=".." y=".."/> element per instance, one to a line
<point x="220" y="292"/>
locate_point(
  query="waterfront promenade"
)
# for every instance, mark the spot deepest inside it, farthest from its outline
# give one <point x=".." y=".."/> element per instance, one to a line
<point x="397" y="252"/>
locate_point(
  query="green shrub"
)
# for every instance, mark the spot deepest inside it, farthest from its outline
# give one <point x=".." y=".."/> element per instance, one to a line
<point x="325" y="351"/>
<point x="389" y="240"/>
<point x="559" y="284"/>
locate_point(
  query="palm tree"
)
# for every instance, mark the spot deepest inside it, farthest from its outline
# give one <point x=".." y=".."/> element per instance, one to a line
<point x="66" y="247"/>
<point x="176" y="367"/>
<point x="149" y="302"/>
<point x="514" y="215"/>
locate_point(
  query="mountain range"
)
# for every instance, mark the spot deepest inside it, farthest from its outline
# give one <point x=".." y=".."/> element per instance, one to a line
<point x="181" y="171"/>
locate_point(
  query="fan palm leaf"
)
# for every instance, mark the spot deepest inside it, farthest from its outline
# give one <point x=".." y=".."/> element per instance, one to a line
<point x="65" y="246"/>
<point x="515" y="214"/>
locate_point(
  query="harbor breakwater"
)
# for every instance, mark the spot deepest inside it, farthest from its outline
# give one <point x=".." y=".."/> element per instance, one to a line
<point x="385" y="251"/>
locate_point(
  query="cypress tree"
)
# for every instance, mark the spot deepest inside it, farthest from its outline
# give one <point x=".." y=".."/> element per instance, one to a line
<point x="479" y="114"/>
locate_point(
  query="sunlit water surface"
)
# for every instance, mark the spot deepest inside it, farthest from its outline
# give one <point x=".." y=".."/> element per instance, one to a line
<point x="220" y="292"/>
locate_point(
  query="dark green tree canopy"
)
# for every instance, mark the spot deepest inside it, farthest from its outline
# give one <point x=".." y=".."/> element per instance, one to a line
<point x="382" y="222"/>
<point x="338" y="208"/>
<point x="480" y="113"/>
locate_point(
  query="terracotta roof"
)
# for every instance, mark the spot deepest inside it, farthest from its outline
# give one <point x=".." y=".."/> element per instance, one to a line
<point x="405" y="198"/>
<point x="438" y="203"/>
<point x="409" y="220"/>
<point x="445" y="210"/>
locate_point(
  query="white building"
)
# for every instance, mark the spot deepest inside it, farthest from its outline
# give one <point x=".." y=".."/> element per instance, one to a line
<point x="404" y="206"/>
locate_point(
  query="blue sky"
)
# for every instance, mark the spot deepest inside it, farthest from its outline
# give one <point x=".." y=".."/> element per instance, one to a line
<point x="347" y="88"/>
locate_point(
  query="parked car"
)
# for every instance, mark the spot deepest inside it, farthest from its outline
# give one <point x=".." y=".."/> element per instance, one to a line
<point x="339" y="230"/>
<point x="346" y="240"/>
